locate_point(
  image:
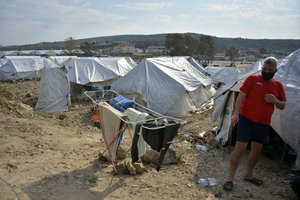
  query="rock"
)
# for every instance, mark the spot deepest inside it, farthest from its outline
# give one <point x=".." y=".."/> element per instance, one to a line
<point x="121" y="153"/>
<point x="121" y="168"/>
<point x="130" y="168"/>
<point x="62" y="116"/>
<point x="103" y="157"/>
<point x="218" y="194"/>
<point x="139" y="167"/>
<point x="26" y="107"/>
<point x="170" y="157"/>
<point x="150" y="156"/>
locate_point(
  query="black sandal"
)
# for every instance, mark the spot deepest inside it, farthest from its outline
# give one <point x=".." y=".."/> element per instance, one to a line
<point x="254" y="181"/>
<point x="228" y="185"/>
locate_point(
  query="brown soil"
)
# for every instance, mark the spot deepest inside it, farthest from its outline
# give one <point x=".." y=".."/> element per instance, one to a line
<point x="46" y="156"/>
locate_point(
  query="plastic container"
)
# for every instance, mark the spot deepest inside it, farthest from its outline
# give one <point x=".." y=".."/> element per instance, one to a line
<point x="201" y="148"/>
<point x="206" y="182"/>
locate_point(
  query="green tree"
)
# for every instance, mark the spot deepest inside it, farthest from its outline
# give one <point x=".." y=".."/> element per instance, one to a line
<point x="87" y="48"/>
<point x="190" y="45"/>
<point x="187" y="45"/>
<point x="70" y="45"/>
<point x="206" y="49"/>
<point x="175" y="43"/>
<point x="232" y="52"/>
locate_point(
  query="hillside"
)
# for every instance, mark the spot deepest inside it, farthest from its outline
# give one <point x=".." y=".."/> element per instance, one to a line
<point x="284" y="46"/>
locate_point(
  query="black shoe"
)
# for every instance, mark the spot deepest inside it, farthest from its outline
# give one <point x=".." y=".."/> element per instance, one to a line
<point x="228" y="185"/>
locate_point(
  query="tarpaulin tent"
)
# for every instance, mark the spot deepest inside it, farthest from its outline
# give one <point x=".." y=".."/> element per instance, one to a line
<point x="91" y="70"/>
<point x="60" y="59"/>
<point x="119" y="65"/>
<point x="286" y="122"/>
<point x="54" y="93"/>
<point x="22" y="68"/>
<point x="88" y="70"/>
<point x="169" y="85"/>
<point x="197" y="65"/>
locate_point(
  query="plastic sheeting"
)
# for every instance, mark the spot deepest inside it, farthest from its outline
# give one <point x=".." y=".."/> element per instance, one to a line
<point x="91" y="70"/>
<point x="60" y="60"/>
<point x="119" y="65"/>
<point x="286" y="122"/>
<point x="225" y="75"/>
<point x="164" y="81"/>
<point x="54" y="93"/>
<point x="22" y="68"/>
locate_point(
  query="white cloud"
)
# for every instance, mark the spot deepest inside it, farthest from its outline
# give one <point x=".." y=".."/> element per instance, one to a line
<point x="160" y="19"/>
<point x="30" y="21"/>
<point x="145" y="6"/>
<point x="183" y="16"/>
<point x="52" y="21"/>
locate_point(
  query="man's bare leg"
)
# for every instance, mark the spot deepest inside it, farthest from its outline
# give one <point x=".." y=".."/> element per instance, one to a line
<point x="235" y="158"/>
<point x="255" y="152"/>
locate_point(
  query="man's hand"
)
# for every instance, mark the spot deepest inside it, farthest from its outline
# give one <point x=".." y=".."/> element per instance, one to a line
<point x="270" y="98"/>
<point x="234" y="120"/>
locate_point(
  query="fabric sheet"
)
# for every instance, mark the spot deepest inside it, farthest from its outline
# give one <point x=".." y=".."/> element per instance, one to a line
<point x="137" y="116"/>
<point x="111" y="122"/>
<point x="158" y="136"/>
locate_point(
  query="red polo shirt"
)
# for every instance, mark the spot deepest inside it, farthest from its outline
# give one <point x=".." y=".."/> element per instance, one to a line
<point x="255" y="106"/>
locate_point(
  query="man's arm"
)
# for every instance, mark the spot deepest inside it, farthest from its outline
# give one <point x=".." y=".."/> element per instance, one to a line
<point x="271" y="98"/>
<point x="238" y="104"/>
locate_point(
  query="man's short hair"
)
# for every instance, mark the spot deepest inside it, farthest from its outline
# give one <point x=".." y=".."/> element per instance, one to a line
<point x="271" y="61"/>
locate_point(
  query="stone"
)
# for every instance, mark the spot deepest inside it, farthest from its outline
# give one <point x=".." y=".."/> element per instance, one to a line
<point x="139" y="167"/>
<point x="121" y="153"/>
<point x="130" y="168"/>
<point x="121" y="168"/>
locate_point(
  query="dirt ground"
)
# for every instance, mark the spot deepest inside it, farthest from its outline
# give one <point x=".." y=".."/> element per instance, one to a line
<point x="46" y="156"/>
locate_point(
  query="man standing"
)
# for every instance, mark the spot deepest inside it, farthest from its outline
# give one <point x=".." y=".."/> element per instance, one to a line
<point x="253" y="110"/>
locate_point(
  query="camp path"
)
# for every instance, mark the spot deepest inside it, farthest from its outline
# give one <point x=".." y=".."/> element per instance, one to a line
<point x="56" y="157"/>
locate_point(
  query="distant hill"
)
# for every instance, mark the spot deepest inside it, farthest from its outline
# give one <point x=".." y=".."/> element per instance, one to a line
<point x="284" y="46"/>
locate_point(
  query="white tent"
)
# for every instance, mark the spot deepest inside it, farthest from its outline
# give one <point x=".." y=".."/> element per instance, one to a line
<point x="19" y="57"/>
<point x="22" y="68"/>
<point x="119" y="65"/>
<point x="284" y="122"/>
<point x="168" y="85"/>
<point x="197" y="65"/>
<point x="91" y="70"/>
<point x="2" y="61"/>
<point x="225" y="75"/>
<point x="60" y="59"/>
<point x="54" y="94"/>
<point x="88" y="70"/>
<point x="212" y="70"/>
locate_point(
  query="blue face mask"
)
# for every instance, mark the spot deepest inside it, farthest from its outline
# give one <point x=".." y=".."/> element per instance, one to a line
<point x="267" y="75"/>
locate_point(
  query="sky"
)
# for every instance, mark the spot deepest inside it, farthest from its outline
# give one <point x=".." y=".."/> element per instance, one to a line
<point x="34" y="21"/>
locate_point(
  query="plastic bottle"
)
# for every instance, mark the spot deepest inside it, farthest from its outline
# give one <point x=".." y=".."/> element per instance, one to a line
<point x="201" y="148"/>
<point x="206" y="182"/>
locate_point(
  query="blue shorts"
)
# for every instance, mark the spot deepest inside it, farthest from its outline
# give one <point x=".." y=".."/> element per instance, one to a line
<point x="248" y="130"/>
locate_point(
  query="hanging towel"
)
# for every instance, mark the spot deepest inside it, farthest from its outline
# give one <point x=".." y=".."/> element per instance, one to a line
<point x="138" y="116"/>
<point x="111" y="123"/>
